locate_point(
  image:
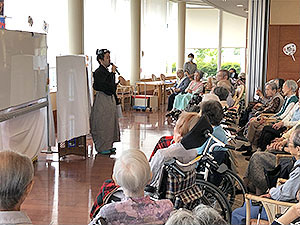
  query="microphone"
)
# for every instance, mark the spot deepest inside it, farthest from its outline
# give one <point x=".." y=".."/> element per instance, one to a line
<point x="116" y="69"/>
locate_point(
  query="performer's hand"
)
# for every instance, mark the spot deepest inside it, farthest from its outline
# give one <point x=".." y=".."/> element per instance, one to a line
<point x="113" y="68"/>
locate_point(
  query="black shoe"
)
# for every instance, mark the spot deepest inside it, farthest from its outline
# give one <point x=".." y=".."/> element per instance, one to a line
<point x="244" y="148"/>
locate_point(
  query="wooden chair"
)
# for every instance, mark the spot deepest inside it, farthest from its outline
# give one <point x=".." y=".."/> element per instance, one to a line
<point x="124" y="91"/>
<point x="153" y="77"/>
<point x="271" y="206"/>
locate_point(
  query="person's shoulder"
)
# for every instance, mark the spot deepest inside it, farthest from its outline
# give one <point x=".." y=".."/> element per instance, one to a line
<point x="166" y="203"/>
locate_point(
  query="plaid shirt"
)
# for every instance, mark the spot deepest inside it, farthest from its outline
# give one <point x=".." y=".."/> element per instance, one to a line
<point x="106" y="190"/>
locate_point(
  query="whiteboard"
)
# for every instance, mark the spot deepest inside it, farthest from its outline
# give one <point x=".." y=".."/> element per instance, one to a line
<point x="23" y="67"/>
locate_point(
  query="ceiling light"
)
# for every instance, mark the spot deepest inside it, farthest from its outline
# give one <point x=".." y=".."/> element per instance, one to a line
<point x="240" y="5"/>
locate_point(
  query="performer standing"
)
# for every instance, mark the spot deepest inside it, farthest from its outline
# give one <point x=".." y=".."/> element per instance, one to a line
<point x="104" y="122"/>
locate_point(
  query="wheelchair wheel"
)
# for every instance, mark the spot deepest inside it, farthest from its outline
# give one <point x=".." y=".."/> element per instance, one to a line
<point x="213" y="197"/>
<point x="233" y="188"/>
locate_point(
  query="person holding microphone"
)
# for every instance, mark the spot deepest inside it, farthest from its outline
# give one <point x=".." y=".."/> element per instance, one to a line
<point x="104" y="121"/>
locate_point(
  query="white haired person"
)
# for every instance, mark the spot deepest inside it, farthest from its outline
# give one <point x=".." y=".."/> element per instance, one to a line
<point x="201" y="215"/>
<point x="16" y="174"/>
<point x="132" y="172"/>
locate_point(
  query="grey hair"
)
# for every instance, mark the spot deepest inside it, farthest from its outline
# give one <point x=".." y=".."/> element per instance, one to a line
<point x="208" y="216"/>
<point x="16" y="173"/>
<point x="291" y="84"/>
<point x="296" y="136"/>
<point x="180" y="71"/>
<point x="182" y="217"/>
<point x="272" y="85"/>
<point x="132" y="171"/>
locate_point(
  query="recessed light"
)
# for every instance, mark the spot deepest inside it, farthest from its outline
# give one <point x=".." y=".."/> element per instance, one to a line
<point x="240" y="5"/>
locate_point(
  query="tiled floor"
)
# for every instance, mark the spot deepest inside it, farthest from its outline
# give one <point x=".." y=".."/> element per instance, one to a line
<point x="64" y="191"/>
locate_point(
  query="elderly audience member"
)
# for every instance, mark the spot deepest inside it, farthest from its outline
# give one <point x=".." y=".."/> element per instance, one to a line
<point x="261" y="161"/>
<point x="201" y="215"/>
<point x="222" y="93"/>
<point x="214" y="112"/>
<point x="132" y="172"/>
<point x="180" y="85"/>
<point x="223" y="75"/>
<point x="257" y="124"/>
<point x="195" y="87"/>
<point x="183" y="125"/>
<point x="285" y="192"/>
<point x="274" y="131"/>
<point x="16" y="181"/>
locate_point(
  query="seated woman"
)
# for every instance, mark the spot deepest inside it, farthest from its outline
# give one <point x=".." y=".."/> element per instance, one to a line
<point x="132" y="172"/>
<point x="285" y="192"/>
<point x="214" y="111"/>
<point x="257" y="124"/>
<point x="166" y="141"/>
<point x="274" y="131"/>
<point x="195" y="87"/>
<point x="183" y="125"/>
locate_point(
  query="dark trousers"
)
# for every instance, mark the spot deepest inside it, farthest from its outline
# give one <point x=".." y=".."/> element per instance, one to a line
<point x="267" y="135"/>
<point x="171" y="100"/>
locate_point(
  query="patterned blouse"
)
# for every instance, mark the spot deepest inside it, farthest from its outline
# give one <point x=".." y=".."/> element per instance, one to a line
<point x="135" y="211"/>
<point x="195" y="86"/>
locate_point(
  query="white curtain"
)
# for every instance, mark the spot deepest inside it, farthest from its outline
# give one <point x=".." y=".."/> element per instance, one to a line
<point x="26" y="134"/>
<point x="154" y="37"/>
<point x="107" y="25"/>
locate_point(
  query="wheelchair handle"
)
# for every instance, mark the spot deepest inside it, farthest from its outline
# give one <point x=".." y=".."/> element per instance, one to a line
<point x="171" y="164"/>
<point x="174" y="167"/>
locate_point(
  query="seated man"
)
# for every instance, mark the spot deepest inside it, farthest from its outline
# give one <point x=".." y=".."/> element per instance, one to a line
<point x="195" y="87"/>
<point x="223" y="75"/>
<point x="180" y="85"/>
<point x="16" y="181"/>
<point x="132" y="172"/>
<point x="285" y="192"/>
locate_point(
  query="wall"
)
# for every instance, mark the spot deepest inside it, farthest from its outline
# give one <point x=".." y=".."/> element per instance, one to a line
<point x="279" y="64"/>
<point x="285" y="12"/>
<point x="284" y="28"/>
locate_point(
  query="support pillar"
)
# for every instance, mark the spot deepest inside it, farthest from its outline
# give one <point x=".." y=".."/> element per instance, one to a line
<point x="135" y="7"/>
<point x="181" y="34"/>
<point x="220" y="26"/>
<point x="76" y="29"/>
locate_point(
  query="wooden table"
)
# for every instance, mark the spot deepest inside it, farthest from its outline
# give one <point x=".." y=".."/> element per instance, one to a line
<point x="159" y="85"/>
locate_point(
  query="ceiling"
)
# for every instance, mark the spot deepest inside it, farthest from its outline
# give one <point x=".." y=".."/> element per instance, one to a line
<point x="237" y="7"/>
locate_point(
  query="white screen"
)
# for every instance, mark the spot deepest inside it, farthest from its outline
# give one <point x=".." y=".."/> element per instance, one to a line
<point x="23" y="67"/>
